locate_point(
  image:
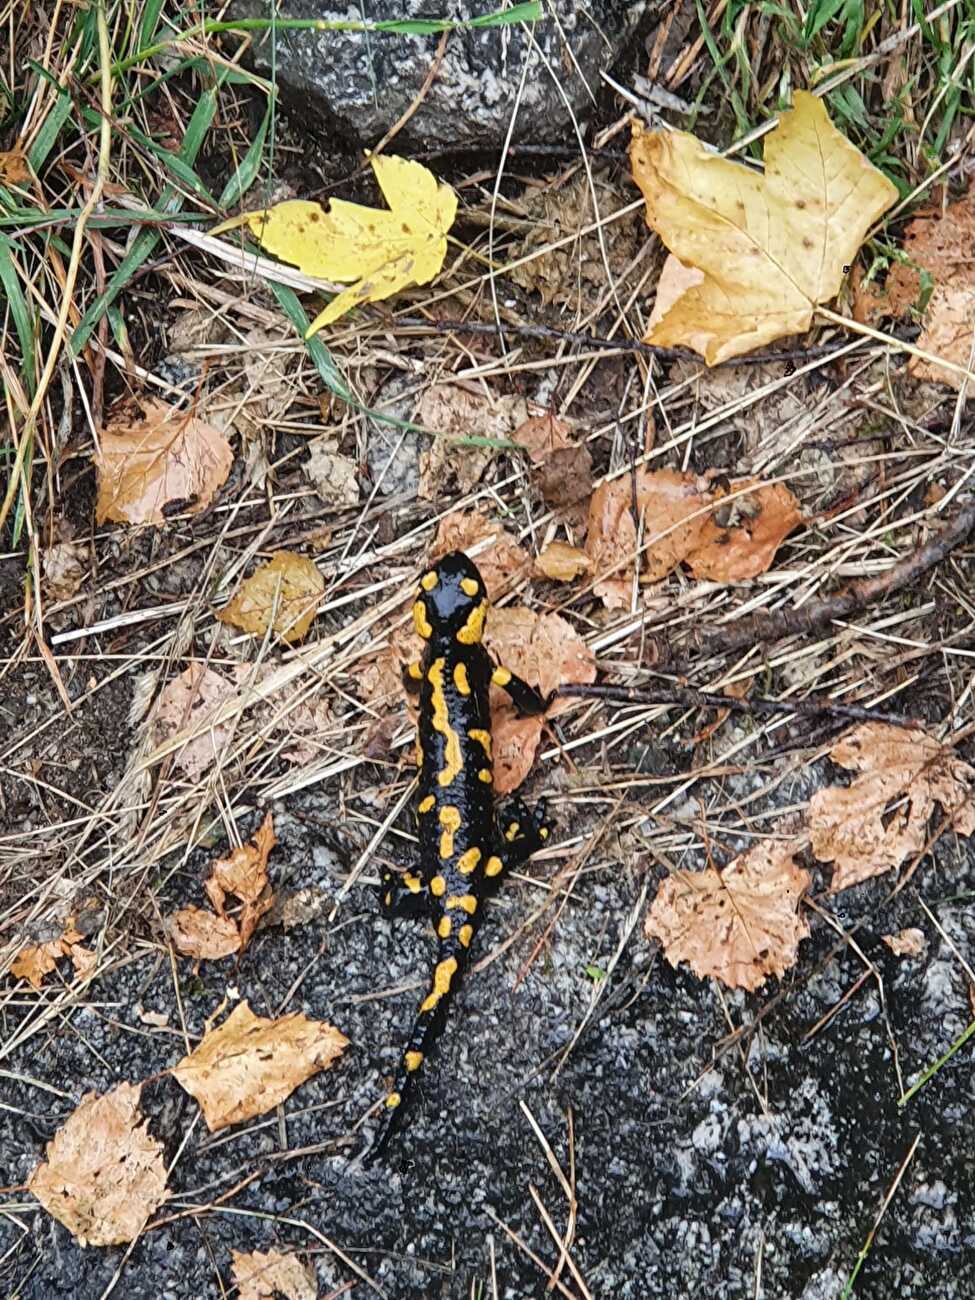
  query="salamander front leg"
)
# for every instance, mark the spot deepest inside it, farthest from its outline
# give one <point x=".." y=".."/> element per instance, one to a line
<point x="528" y="700"/>
<point x="522" y="831"/>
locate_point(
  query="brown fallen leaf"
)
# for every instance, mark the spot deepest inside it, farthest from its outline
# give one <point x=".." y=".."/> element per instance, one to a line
<point x="460" y="413"/>
<point x="906" y="943"/>
<point x="939" y="243"/>
<point x="882" y="817"/>
<point x="14" y="167"/>
<point x="771" y="247"/>
<point x="741" y="924"/>
<point x="156" y="460"/>
<point x="561" y="562"/>
<point x="334" y="477"/>
<point x="743" y="545"/>
<point x="197" y="933"/>
<point x="286" y="590"/>
<point x="244" y="874"/>
<point x="65" y="565"/>
<point x="186" y="701"/>
<point x="262" y="1274"/>
<point x="104" y="1174"/>
<point x="733" y="542"/>
<point x="249" y="1064"/>
<point x="561" y="468"/>
<point x="546" y="652"/>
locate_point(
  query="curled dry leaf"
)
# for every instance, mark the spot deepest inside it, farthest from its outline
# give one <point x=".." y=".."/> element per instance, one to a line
<point x="881" y="818"/>
<point x="382" y="251"/>
<point x="14" y="167"/>
<point x="562" y="562"/>
<point x="770" y="247"/>
<point x="159" y="460"/>
<point x="36" y="960"/>
<point x="286" y="590"/>
<point x="197" y="933"/>
<point x="249" y="1064"/>
<point x="502" y="563"/>
<point x="733" y="543"/>
<point x="459" y="413"/>
<point x="906" y="943"/>
<point x="741" y="924"/>
<point x="547" y="652"/>
<point x="104" y="1175"/>
<point x="244" y="874"/>
<point x="333" y="477"/>
<point x="259" y="1275"/>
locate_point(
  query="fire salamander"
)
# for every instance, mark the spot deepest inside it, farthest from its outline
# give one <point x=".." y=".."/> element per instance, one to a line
<point x="464" y="850"/>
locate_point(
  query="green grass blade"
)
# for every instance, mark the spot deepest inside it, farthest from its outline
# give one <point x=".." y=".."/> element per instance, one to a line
<point x="49" y="132"/>
<point x="245" y="175"/>
<point x="325" y="365"/>
<point x="18" y="310"/>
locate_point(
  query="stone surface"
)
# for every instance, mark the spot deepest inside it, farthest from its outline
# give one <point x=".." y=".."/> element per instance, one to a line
<point x="359" y="83"/>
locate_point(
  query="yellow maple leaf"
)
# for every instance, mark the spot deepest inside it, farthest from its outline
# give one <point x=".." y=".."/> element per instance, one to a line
<point x="767" y="248"/>
<point x="382" y="252"/>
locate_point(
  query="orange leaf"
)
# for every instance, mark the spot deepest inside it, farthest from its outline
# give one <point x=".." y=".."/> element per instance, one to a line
<point x="198" y="933"/>
<point x="104" y="1174"/>
<point x="249" y="1064"/>
<point x="259" y="1275"/>
<point x="562" y="562"/>
<point x="286" y="589"/>
<point x="740" y="924"/>
<point x="153" y="462"/>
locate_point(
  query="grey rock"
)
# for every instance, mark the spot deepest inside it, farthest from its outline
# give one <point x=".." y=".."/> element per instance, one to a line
<point x="360" y="83"/>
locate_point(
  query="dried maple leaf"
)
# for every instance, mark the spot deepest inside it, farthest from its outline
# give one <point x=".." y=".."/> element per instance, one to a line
<point x="906" y="943"/>
<point x="733" y="543"/>
<point x="286" y="590"/>
<point x="151" y="462"/>
<point x="104" y="1175"/>
<point x="262" y="1274"/>
<point x="741" y="924"/>
<point x="940" y="244"/>
<point x="881" y="818"/>
<point x="770" y="247"/>
<point x="249" y="1064"/>
<point x="185" y="702"/>
<point x="197" y="933"/>
<point x="382" y="251"/>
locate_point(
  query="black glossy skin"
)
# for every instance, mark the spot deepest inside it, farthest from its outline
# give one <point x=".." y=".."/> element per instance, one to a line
<point x="464" y="851"/>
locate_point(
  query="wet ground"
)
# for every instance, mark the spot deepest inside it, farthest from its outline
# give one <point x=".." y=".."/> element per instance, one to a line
<point x="755" y="1169"/>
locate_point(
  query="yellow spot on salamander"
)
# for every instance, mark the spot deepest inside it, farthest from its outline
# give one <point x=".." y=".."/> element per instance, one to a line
<point x="512" y="831"/>
<point x="473" y="629"/>
<point x="543" y="832"/>
<point x="438" y="886"/>
<point x="412" y="882"/>
<point x="465" y="934"/>
<point x="393" y="1100"/>
<point x="466" y="902"/>
<point x="428" y="581"/>
<point x="493" y="867"/>
<point x="415" y="670"/>
<point x="446" y="845"/>
<point x="413" y="1060"/>
<point x="441" y="723"/>
<point x="469" y="586"/>
<point x="460" y="679"/>
<point x="426" y="804"/>
<point x="421" y="622"/>
<point x="485" y="775"/>
<point x="467" y="862"/>
<point x="443" y="973"/>
<point x="483" y="738"/>
<point x="450" y="821"/>
<point x="418" y="753"/>
<point x="500" y="676"/>
<point x="443" y="927"/>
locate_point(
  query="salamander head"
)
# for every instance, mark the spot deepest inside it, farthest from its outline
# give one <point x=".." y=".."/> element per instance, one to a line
<point x="451" y="601"/>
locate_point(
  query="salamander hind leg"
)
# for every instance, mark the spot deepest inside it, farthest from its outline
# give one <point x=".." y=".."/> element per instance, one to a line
<point x="522" y="831"/>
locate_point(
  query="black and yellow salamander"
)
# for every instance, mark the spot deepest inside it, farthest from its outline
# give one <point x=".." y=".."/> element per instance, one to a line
<point x="464" y="850"/>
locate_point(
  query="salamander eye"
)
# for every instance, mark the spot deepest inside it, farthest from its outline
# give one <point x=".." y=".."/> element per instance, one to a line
<point x="470" y="586"/>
